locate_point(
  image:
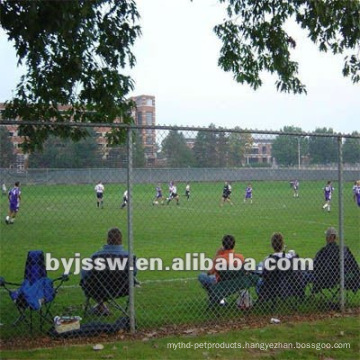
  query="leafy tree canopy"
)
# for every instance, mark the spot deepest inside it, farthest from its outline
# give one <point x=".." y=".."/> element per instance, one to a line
<point x="7" y="155"/>
<point x="254" y="38"/>
<point x="73" y="51"/>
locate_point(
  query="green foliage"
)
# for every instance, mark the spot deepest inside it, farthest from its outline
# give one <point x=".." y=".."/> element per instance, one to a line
<point x="205" y="148"/>
<point x="176" y="151"/>
<point x="285" y="148"/>
<point x="351" y="150"/>
<point x="254" y="38"/>
<point x="73" y="51"/>
<point x="239" y="145"/>
<point x="7" y="156"/>
<point x="139" y="151"/>
<point x="67" y="154"/>
<point x="323" y="150"/>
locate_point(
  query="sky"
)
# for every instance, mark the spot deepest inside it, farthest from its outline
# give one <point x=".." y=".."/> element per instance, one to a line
<point x="177" y="58"/>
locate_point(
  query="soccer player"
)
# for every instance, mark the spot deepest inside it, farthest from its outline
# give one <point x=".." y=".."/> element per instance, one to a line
<point x="226" y="194"/>
<point x="14" y="197"/>
<point x="248" y="193"/>
<point x="295" y="187"/>
<point x="125" y="199"/>
<point x="99" y="189"/>
<point x="356" y="192"/>
<point x="328" y="190"/>
<point x="173" y="194"/>
<point x="158" y="196"/>
<point x="187" y="191"/>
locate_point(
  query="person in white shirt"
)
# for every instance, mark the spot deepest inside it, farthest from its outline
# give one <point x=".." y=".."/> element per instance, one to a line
<point x="125" y="199"/>
<point x="99" y="190"/>
<point x="173" y="194"/>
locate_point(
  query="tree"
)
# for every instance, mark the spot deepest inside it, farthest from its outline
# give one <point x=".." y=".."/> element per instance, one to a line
<point x="351" y="149"/>
<point x="58" y="153"/>
<point x="204" y="149"/>
<point x="139" y="151"/>
<point x="323" y="150"/>
<point x="254" y="38"/>
<point x="239" y="144"/>
<point x="285" y="148"/>
<point x="73" y="51"/>
<point x="7" y="155"/>
<point x="176" y="151"/>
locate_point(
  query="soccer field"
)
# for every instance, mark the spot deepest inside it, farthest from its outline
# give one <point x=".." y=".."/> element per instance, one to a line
<point x="64" y="221"/>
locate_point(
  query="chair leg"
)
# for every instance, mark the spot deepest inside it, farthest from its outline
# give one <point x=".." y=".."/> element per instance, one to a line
<point x="87" y="305"/>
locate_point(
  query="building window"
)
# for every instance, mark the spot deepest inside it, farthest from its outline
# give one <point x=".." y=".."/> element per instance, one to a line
<point x="149" y="118"/>
<point x="149" y="140"/>
<point x="139" y="118"/>
<point x="264" y="149"/>
<point x="149" y="102"/>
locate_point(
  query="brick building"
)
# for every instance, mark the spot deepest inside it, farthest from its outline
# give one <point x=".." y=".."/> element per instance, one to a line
<point x="144" y="114"/>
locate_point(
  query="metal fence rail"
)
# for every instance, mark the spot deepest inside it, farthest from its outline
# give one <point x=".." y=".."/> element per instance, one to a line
<point x="140" y="260"/>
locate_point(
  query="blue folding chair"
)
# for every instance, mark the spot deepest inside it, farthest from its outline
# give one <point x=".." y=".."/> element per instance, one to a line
<point x="36" y="293"/>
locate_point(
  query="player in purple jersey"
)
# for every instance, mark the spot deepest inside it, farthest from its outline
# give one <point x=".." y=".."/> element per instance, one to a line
<point x="356" y="192"/>
<point x="295" y="186"/>
<point x="248" y="193"/>
<point x="158" y="196"/>
<point x="14" y="197"/>
<point x="328" y="190"/>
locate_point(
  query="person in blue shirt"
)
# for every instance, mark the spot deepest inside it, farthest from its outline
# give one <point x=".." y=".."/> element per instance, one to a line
<point x="14" y="197"/>
<point x="113" y="247"/>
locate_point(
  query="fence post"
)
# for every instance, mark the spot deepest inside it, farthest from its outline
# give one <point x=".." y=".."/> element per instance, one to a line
<point x="130" y="230"/>
<point x="341" y="225"/>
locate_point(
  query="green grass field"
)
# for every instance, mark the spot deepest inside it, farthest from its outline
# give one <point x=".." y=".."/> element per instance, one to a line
<point x="64" y="221"/>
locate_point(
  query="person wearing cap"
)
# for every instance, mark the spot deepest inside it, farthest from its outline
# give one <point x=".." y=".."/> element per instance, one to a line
<point x="326" y="270"/>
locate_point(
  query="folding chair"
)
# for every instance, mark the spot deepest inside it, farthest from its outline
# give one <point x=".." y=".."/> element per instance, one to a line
<point x="326" y="273"/>
<point x="281" y="286"/>
<point x="36" y="292"/>
<point x="231" y="282"/>
<point x="109" y="284"/>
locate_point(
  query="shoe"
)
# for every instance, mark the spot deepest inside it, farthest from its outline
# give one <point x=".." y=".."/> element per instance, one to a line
<point x="100" y="310"/>
<point x="223" y="302"/>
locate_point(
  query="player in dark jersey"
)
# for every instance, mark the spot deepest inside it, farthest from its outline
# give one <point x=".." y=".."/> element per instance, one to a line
<point x="226" y="194"/>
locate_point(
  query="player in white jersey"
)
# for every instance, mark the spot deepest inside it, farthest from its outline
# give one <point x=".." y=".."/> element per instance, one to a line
<point x="99" y="190"/>
<point x="187" y="191"/>
<point x="173" y="194"/>
<point x="125" y="199"/>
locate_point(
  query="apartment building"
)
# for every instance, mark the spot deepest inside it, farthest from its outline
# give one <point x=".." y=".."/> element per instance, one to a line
<point x="144" y="114"/>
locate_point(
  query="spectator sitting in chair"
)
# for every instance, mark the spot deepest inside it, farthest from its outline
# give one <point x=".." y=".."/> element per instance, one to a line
<point x="212" y="276"/>
<point x="113" y="247"/>
<point x="326" y="272"/>
<point x="270" y="283"/>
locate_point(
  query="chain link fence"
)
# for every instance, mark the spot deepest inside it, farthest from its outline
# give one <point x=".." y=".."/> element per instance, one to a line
<point x="194" y="226"/>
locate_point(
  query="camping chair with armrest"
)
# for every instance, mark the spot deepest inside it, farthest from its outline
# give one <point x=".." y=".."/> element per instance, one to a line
<point x="230" y="282"/>
<point x="326" y="273"/>
<point x="281" y="286"/>
<point x="36" y="292"/>
<point x="108" y="282"/>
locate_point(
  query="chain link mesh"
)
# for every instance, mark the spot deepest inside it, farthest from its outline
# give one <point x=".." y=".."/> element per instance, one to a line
<point x="197" y="195"/>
